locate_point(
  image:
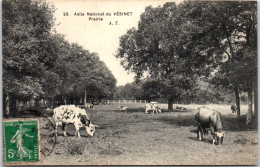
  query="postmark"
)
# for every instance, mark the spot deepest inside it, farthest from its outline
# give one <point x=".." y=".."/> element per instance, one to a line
<point x="21" y="141"/>
<point x="48" y="142"/>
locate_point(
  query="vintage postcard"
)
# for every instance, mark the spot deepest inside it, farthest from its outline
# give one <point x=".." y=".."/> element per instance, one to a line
<point x="129" y="82"/>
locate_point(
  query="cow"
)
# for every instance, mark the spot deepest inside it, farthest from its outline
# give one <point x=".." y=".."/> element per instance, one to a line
<point x="89" y="105"/>
<point x="179" y="108"/>
<point x="153" y="106"/>
<point x="207" y="118"/>
<point x="234" y="108"/>
<point x="70" y="114"/>
<point x="122" y="108"/>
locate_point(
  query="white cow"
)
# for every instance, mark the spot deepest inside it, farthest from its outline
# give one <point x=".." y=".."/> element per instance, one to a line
<point x="70" y="114"/>
<point x="89" y="105"/>
<point x="122" y="108"/>
<point x="153" y="106"/>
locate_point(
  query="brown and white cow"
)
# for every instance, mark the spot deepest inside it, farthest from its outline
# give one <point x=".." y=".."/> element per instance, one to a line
<point x="70" y="114"/>
<point x="207" y="118"/>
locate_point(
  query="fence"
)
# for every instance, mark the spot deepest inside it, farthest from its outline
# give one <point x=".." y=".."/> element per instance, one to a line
<point x="126" y="101"/>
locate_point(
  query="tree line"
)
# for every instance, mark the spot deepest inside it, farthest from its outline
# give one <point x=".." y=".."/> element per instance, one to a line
<point x="39" y="64"/>
<point x="203" y="93"/>
<point x="175" y="44"/>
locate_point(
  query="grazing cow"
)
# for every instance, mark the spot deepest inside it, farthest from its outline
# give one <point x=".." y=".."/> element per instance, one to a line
<point x="122" y="108"/>
<point x="234" y="108"/>
<point x="70" y="114"/>
<point x="207" y="118"/>
<point x="89" y="105"/>
<point x="179" y="108"/>
<point x="153" y="106"/>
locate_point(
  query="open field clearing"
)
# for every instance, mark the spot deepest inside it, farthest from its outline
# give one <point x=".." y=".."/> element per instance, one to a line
<point x="168" y="138"/>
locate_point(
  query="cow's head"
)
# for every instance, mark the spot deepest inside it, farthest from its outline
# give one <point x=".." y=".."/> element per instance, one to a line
<point x="220" y="137"/>
<point x="91" y="129"/>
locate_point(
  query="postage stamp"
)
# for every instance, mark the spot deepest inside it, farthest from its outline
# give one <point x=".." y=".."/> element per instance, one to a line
<point x="21" y="138"/>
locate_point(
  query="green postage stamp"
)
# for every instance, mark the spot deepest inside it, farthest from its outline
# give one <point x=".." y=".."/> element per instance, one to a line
<point x="21" y="138"/>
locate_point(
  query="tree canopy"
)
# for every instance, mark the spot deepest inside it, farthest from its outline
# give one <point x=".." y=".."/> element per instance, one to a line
<point x="39" y="64"/>
<point x="175" y="44"/>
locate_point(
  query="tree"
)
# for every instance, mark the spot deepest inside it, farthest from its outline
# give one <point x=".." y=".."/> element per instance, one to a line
<point x="26" y="26"/>
<point x="155" y="48"/>
<point x="176" y="44"/>
<point x="131" y="91"/>
<point x="227" y="35"/>
<point x="39" y="64"/>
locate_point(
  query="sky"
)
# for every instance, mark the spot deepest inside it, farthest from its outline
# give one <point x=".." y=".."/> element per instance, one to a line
<point x="100" y="36"/>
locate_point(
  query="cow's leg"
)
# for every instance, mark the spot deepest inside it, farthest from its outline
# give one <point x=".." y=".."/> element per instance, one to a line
<point x="77" y="130"/>
<point x="63" y="128"/>
<point x="213" y="134"/>
<point x="199" y="133"/>
<point x="214" y="139"/>
<point x="56" y="127"/>
<point x="146" y="111"/>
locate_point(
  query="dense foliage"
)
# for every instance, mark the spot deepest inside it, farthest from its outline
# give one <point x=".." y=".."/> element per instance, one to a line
<point x="39" y="64"/>
<point x="177" y="44"/>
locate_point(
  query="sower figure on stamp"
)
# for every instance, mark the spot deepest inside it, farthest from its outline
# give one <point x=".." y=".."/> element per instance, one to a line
<point x="18" y="138"/>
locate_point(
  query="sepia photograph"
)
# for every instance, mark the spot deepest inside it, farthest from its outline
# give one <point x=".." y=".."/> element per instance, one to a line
<point x="120" y="82"/>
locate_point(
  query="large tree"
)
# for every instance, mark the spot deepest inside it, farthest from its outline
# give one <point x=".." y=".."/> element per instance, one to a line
<point x="155" y="48"/>
<point x="26" y="27"/>
<point x="176" y="44"/>
<point x="226" y="33"/>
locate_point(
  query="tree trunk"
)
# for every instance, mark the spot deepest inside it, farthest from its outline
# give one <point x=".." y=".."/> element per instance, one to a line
<point x="170" y="104"/>
<point x="74" y="98"/>
<point x="6" y="105"/>
<point x="255" y="101"/>
<point x="13" y="106"/>
<point x="65" y="100"/>
<point x="249" y="113"/>
<point x="37" y="103"/>
<point x="237" y="102"/>
<point x="52" y="102"/>
<point x="85" y="98"/>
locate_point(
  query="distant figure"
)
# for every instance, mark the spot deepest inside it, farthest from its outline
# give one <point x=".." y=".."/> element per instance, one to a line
<point x="122" y="108"/>
<point x="234" y="108"/>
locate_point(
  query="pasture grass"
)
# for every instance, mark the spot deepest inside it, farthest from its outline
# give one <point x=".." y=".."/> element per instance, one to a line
<point x="134" y="138"/>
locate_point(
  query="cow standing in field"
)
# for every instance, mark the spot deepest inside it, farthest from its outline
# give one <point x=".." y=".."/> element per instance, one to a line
<point x="207" y="118"/>
<point x="89" y="105"/>
<point x="70" y="114"/>
<point x="152" y="107"/>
